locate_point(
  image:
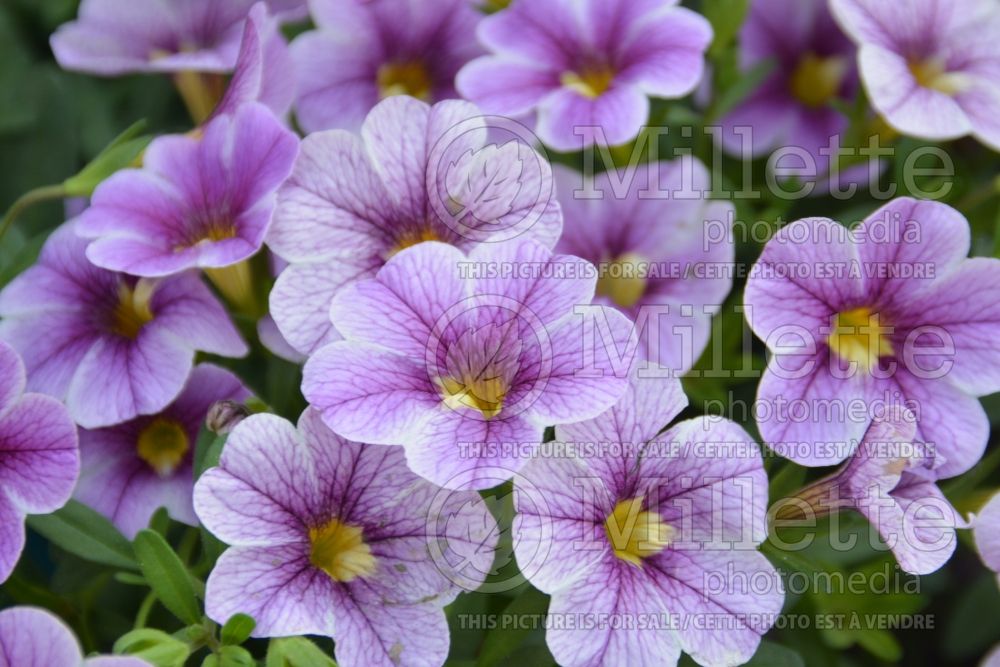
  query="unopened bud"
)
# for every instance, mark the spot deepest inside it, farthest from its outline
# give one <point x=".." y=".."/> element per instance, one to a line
<point x="223" y="416"/>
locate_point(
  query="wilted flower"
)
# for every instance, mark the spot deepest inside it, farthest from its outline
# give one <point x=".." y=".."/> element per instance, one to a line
<point x="111" y="345"/>
<point x="31" y="637"/>
<point x="931" y="67"/>
<point x="363" y="52"/>
<point x="39" y="461"/>
<point x="588" y="64"/>
<point x="130" y="470"/>
<point x="332" y="537"/>
<point x="417" y="173"/>
<point x="651" y="527"/>
<point x="656" y="250"/>
<point x="891" y="480"/>
<point x="891" y="312"/>
<point x="458" y="368"/>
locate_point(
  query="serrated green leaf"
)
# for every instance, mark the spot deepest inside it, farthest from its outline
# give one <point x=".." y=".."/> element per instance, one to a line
<point x="167" y="576"/>
<point x="83" y="532"/>
<point x="237" y="629"/>
<point x="296" y="652"/>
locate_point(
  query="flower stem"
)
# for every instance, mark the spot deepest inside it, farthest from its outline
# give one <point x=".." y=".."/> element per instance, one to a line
<point x="28" y="199"/>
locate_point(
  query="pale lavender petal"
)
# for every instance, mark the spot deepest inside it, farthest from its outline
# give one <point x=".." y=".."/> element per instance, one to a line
<point x="185" y="307"/>
<point x="12" y="378"/>
<point x="567" y="120"/>
<point x="506" y="87"/>
<point x="665" y="55"/>
<point x="32" y="637"/>
<point x="986" y="530"/>
<point x="369" y="633"/>
<point x="11" y="536"/>
<point x="367" y="393"/>
<point x="278" y="587"/>
<point x="535" y="32"/>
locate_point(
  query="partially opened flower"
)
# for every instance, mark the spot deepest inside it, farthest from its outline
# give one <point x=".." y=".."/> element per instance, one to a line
<point x="336" y="538"/>
<point x="889" y="313"/>
<point x="132" y="469"/>
<point x="584" y="65"/>
<point x="931" y="68"/>
<point x="417" y="173"/>
<point x="662" y="249"/>
<point x="813" y="66"/>
<point x="891" y="480"/>
<point x="111" y="345"/>
<point x="111" y="37"/>
<point x="986" y="530"/>
<point x="31" y="637"/>
<point x="465" y="359"/>
<point x="39" y="461"/>
<point x="362" y="52"/>
<point x="264" y="70"/>
<point x="198" y="202"/>
<point x="635" y="526"/>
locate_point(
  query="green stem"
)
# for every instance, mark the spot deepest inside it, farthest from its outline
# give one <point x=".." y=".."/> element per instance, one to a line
<point x="28" y="199"/>
<point x="144" y="609"/>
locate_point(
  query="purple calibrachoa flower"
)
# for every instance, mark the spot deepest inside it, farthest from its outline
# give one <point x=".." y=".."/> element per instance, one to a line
<point x="588" y="64"/>
<point x="891" y="480"/>
<point x="202" y="202"/>
<point x="111" y="345"/>
<point x="986" y="530"/>
<point x="31" y="637"/>
<point x="661" y="248"/>
<point x="39" y="460"/>
<point x="891" y="312"/>
<point x="336" y="538"/>
<point x="460" y="357"/>
<point x="642" y="526"/>
<point x="363" y="52"/>
<point x="112" y="37"/>
<point x="417" y="173"/>
<point x="931" y="67"/>
<point x="814" y="65"/>
<point x="264" y="70"/>
<point x="132" y="469"/>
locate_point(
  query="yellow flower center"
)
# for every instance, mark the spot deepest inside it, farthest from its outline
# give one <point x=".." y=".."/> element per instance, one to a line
<point x="339" y="550"/>
<point x="859" y="336"/>
<point x="590" y="81"/>
<point x="412" y="238"/>
<point x="932" y="73"/>
<point x="622" y="280"/>
<point x="483" y="394"/>
<point x="404" y="78"/>
<point x="133" y="310"/>
<point x="817" y="80"/>
<point x="163" y="444"/>
<point x="635" y="534"/>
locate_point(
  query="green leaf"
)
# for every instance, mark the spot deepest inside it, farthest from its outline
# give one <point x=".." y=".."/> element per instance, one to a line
<point x="167" y="576"/>
<point x="207" y="451"/>
<point x="726" y="17"/>
<point x="500" y="643"/>
<point x="746" y="84"/>
<point x="770" y="654"/>
<point x="85" y="533"/>
<point x="235" y="656"/>
<point x="237" y="629"/>
<point x="154" y="646"/>
<point x="296" y="652"/>
<point x="120" y="153"/>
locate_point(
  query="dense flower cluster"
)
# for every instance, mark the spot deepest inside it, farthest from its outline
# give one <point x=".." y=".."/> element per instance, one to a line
<point x="375" y="202"/>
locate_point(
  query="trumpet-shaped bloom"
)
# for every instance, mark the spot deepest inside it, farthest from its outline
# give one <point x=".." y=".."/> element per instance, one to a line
<point x="264" y="70"/>
<point x="814" y="65"/>
<point x="465" y="359"/>
<point x="890" y="479"/>
<point x="39" y="461"/>
<point x="362" y="52"/>
<point x="110" y="345"/>
<point x="655" y="531"/>
<point x="587" y="64"/>
<point x="417" y="173"/>
<point x="132" y="469"/>
<point x="662" y="251"/>
<point x="931" y="68"/>
<point x="336" y="538"/>
<point x="31" y="637"/>
<point x="197" y="202"/>
<point x="113" y="37"/>
<point x="889" y="313"/>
